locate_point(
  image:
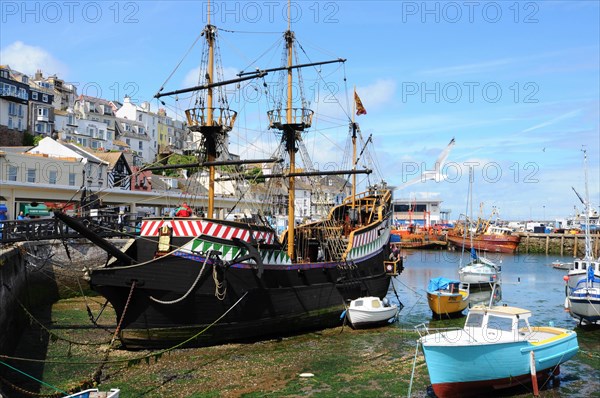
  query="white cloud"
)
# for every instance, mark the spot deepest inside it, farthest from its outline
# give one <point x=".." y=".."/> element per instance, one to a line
<point x="376" y="94"/>
<point x="28" y="59"/>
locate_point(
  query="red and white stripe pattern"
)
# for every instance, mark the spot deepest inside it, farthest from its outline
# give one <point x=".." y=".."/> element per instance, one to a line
<point x="193" y="228"/>
<point x="364" y="238"/>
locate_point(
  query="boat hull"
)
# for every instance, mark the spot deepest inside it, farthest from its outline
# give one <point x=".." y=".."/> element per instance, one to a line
<point x="191" y="298"/>
<point x="584" y="304"/>
<point x="364" y="319"/>
<point x="472" y="370"/>
<point x="447" y="304"/>
<point x="487" y="243"/>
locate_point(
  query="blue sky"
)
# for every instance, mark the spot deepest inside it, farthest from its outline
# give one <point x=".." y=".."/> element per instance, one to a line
<point x="515" y="83"/>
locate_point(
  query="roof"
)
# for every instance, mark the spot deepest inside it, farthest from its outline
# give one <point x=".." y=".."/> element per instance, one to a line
<point x="82" y="152"/>
<point x="501" y="310"/>
<point x="120" y="143"/>
<point x="111" y="157"/>
<point x="16" y="149"/>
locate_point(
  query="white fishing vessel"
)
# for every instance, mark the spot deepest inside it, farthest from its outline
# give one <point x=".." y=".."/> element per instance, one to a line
<point x="586" y="268"/>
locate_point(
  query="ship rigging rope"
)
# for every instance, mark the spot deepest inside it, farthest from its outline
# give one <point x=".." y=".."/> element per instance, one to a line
<point x="146" y="357"/>
<point x="189" y="290"/>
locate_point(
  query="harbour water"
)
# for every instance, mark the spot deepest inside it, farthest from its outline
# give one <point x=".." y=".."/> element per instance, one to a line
<point x="528" y="281"/>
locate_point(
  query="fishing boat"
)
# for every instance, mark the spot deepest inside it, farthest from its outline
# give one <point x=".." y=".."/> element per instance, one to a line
<point x="584" y="300"/>
<point x="366" y="312"/>
<point x="447" y="297"/>
<point x="487" y="236"/>
<point x="480" y="270"/>
<point x="197" y="281"/>
<point x="496" y="349"/>
<point x="581" y="266"/>
<point x="562" y="265"/>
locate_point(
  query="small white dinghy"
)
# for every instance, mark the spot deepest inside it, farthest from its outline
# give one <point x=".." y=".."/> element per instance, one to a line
<point x="371" y="311"/>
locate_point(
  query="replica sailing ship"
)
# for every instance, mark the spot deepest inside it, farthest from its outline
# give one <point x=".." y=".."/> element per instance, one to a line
<point x="198" y="281"/>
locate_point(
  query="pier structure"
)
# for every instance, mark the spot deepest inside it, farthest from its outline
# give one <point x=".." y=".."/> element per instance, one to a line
<point x="561" y="244"/>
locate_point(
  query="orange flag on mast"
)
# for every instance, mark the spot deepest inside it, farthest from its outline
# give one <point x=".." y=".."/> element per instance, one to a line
<point x="360" y="109"/>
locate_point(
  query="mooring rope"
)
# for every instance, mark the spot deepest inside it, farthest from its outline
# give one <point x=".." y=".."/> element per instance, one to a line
<point x="123" y="314"/>
<point x="180" y="299"/>
<point x="33" y="378"/>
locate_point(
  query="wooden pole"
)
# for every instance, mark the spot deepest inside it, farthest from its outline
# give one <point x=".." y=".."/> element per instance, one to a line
<point x="562" y="244"/>
<point x="547" y="243"/>
<point x="536" y="391"/>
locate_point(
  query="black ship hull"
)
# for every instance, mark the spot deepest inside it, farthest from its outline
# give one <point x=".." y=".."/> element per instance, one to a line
<point x="192" y="298"/>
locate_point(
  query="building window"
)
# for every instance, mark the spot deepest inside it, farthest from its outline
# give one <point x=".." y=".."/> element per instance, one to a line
<point x="45" y="97"/>
<point x="12" y="109"/>
<point x="52" y="177"/>
<point x="34" y="95"/>
<point x="127" y="141"/>
<point x="140" y="145"/>
<point x="30" y="175"/>
<point x="140" y="117"/>
<point x="12" y="173"/>
<point x="72" y="179"/>
<point x="9" y="124"/>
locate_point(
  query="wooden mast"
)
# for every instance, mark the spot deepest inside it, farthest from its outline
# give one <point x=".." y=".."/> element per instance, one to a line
<point x="354" y="151"/>
<point x="209" y="116"/>
<point x="291" y="139"/>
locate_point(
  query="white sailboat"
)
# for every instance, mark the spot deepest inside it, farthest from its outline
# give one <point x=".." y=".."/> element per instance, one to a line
<point x="480" y="270"/>
<point x="583" y="279"/>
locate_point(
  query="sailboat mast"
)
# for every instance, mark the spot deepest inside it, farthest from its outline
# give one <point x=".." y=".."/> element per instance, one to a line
<point x="588" y="239"/>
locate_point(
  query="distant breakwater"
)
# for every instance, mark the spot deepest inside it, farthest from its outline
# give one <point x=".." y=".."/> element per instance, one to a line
<point x="560" y="244"/>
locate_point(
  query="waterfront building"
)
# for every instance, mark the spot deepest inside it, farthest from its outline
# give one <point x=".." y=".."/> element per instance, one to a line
<point x="41" y="108"/>
<point x="424" y="212"/>
<point x="94" y="112"/>
<point x="14" y="102"/>
<point x="138" y="128"/>
<point x="119" y="173"/>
